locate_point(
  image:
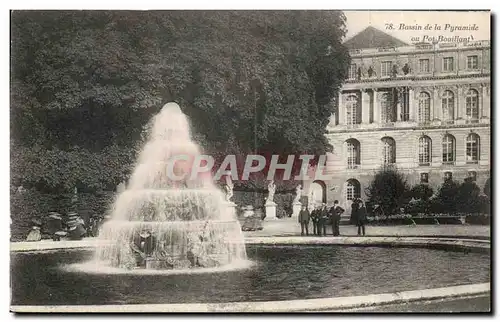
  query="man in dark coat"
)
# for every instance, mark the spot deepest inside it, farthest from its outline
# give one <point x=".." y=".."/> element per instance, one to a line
<point x="315" y="219"/>
<point x="354" y="211"/>
<point x="361" y="218"/>
<point x="335" y="213"/>
<point x="323" y="219"/>
<point x="304" y="220"/>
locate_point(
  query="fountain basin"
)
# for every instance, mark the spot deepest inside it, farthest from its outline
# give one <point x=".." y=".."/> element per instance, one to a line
<point x="279" y="273"/>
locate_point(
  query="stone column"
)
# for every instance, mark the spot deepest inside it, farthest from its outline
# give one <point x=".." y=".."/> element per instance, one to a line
<point x="376" y="108"/>
<point x="411" y="103"/>
<point x="365" y="105"/>
<point x="460" y="113"/>
<point x="341" y="110"/>
<point x="435" y="104"/>
<point x="485" y="102"/>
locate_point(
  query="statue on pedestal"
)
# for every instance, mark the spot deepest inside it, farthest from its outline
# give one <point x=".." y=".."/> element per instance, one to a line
<point x="229" y="188"/>
<point x="272" y="189"/>
<point x="298" y="194"/>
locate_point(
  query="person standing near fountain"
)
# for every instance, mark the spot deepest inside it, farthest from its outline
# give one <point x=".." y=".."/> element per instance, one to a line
<point x="361" y="218"/>
<point x="323" y="219"/>
<point x="315" y="220"/>
<point x="335" y="213"/>
<point x="304" y="220"/>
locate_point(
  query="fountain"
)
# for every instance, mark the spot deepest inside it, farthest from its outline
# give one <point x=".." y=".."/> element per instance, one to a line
<point x="161" y="222"/>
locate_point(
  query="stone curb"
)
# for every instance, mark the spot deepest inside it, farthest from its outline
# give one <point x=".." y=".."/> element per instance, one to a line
<point x="313" y="240"/>
<point x="373" y="241"/>
<point x="322" y="304"/>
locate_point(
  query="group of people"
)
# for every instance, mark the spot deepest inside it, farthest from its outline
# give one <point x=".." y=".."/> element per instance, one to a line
<point x="322" y="217"/>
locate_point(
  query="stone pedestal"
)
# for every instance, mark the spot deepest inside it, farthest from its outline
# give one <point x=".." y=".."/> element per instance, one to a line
<point x="270" y="210"/>
<point x="231" y="208"/>
<point x="296" y="208"/>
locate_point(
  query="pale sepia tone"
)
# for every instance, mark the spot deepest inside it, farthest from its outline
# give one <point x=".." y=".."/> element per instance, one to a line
<point x="111" y="110"/>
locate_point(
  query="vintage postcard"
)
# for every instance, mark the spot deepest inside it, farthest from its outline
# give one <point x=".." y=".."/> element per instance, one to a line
<point x="250" y="161"/>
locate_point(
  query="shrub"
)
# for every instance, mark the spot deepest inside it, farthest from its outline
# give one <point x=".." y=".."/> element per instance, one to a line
<point x="422" y="192"/>
<point x="389" y="189"/>
<point x="447" y="198"/>
<point x="468" y="197"/>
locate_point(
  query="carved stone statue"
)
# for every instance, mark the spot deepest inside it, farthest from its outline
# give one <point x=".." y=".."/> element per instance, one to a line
<point x="371" y="72"/>
<point x="298" y="194"/>
<point x="272" y="189"/>
<point x="229" y="188"/>
<point x="406" y="69"/>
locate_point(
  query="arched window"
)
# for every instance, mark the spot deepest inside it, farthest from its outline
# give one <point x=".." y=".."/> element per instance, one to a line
<point x="448" y="104"/>
<point x="353" y="153"/>
<point x="424" y="150"/>
<point x="472" y="105"/>
<point x="424" y="108"/>
<point x="353" y="189"/>
<point x="448" y="149"/>
<point x="472" y="148"/>
<point x="389" y="150"/>
<point x="386" y="108"/>
<point x="351" y="110"/>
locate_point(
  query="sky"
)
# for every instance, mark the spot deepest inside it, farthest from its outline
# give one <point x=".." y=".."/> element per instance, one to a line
<point x="359" y="20"/>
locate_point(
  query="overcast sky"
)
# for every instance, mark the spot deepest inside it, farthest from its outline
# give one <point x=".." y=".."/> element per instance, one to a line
<point x="359" y="20"/>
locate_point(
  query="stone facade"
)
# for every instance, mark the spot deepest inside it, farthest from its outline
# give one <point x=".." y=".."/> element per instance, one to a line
<point x="424" y="109"/>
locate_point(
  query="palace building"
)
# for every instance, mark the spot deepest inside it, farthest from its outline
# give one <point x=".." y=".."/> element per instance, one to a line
<point x="422" y="108"/>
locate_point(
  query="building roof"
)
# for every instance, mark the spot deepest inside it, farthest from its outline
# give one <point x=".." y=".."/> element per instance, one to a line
<point x="371" y="37"/>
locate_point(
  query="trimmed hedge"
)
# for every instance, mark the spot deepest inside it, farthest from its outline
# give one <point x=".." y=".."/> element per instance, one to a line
<point x="428" y="219"/>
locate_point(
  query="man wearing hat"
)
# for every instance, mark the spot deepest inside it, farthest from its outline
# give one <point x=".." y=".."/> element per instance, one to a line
<point x="315" y="220"/>
<point x="304" y="220"/>
<point x="323" y="219"/>
<point x="335" y="213"/>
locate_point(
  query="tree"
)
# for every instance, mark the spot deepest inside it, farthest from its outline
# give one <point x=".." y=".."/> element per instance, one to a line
<point x="268" y="79"/>
<point x="422" y="204"/>
<point x="422" y="192"/>
<point x="447" y="197"/>
<point x="468" y="197"/>
<point x="388" y="189"/>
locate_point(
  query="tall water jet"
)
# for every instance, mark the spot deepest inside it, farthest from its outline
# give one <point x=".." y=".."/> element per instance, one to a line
<point x="163" y="222"/>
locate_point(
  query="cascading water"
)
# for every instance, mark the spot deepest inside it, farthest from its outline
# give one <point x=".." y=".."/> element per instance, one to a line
<point x="160" y="222"/>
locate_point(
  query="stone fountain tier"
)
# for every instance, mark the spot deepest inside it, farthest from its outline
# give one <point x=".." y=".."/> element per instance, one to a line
<point x="172" y="245"/>
<point x="157" y="175"/>
<point x="172" y="205"/>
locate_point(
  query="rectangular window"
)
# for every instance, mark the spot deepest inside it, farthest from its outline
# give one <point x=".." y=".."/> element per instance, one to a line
<point x="472" y="62"/>
<point x="424" y="178"/>
<point x="448" y="64"/>
<point x="385" y="68"/>
<point x="423" y="65"/>
<point x="353" y="72"/>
